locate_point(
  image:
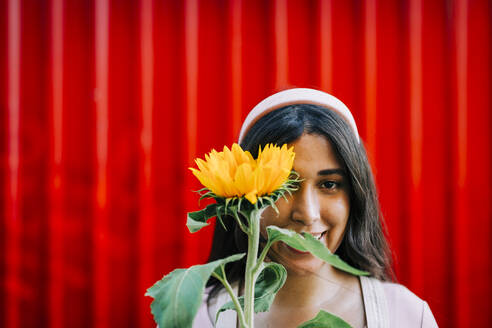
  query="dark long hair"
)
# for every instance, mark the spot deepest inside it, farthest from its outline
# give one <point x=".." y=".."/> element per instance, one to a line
<point x="364" y="245"/>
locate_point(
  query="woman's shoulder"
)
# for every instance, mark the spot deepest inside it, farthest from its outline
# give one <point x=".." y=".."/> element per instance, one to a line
<point x="400" y="294"/>
<point x="406" y="307"/>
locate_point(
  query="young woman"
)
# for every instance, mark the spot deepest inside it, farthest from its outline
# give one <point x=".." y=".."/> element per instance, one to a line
<point x="335" y="202"/>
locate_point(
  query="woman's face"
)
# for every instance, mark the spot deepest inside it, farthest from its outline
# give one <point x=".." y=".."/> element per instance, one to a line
<point x="321" y="205"/>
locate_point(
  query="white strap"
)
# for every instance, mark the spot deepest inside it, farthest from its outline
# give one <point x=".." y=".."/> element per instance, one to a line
<point x="375" y="304"/>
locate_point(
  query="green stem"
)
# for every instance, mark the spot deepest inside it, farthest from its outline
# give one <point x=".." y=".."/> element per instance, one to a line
<point x="263" y="254"/>
<point x="251" y="275"/>
<point x="233" y="296"/>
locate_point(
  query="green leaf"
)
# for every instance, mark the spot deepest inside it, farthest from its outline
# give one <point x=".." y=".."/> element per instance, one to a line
<point x="325" y="320"/>
<point x="306" y="242"/>
<point x="269" y="282"/>
<point x="227" y="201"/>
<point x="179" y="294"/>
<point x="219" y="210"/>
<point x="206" y="195"/>
<point x="197" y="220"/>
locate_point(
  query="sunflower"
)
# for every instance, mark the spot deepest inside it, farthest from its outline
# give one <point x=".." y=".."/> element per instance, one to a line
<point x="235" y="173"/>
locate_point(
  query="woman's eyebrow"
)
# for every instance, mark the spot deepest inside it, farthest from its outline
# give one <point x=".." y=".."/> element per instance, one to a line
<point x="332" y="171"/>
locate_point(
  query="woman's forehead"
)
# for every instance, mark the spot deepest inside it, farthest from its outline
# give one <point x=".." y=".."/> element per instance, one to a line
<point x="314" y="153"/>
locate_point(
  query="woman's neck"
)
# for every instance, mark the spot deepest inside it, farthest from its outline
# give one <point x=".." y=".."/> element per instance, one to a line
<point x="305" y="293"/>
<point x="305" y="289"/>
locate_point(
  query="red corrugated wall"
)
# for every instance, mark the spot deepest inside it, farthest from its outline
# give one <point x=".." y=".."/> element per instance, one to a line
<point x="105" y="103"/>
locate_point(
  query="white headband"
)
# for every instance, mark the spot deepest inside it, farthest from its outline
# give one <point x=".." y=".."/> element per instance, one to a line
<point x="297" y="96"/>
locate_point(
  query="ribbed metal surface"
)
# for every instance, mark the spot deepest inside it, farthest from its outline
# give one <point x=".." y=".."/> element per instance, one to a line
<point x="105" y="104"/>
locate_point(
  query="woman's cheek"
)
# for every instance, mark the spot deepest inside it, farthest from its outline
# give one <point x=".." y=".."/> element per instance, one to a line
<point x="270" y="217"/>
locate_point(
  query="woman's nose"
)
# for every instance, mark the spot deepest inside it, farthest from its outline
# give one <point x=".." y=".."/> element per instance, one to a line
<point x="305" y="207"/>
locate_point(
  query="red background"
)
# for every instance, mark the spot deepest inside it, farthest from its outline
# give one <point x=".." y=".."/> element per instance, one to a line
<point x="104" y="105"/>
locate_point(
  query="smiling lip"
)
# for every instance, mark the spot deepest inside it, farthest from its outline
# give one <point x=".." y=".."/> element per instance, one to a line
<point x="317" y="235"/>
<point x="295" y="251"/>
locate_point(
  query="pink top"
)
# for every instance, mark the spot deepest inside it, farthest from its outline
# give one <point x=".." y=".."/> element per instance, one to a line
<point x="386" y="305"/>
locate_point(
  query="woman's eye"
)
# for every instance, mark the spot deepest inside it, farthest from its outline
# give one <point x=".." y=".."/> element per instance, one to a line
<point x="330" y="185"/>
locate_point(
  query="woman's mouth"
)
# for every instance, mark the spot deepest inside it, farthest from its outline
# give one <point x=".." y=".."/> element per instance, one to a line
<point x="296" y="251"/>
<point x="317" y="235"/>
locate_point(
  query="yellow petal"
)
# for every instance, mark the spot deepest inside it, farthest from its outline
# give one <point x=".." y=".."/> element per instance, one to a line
<point x="244" y="179"/>
<point x="202" y="165"/>
<point x="251" y="197"/>
<point x="207" y="182"/>
<point x="231" y="161"/>
<point x="224" y="178"/>
<point x="260" y="179"/>
<point x="242" y="156"/>
<point x="268" y="180"/>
